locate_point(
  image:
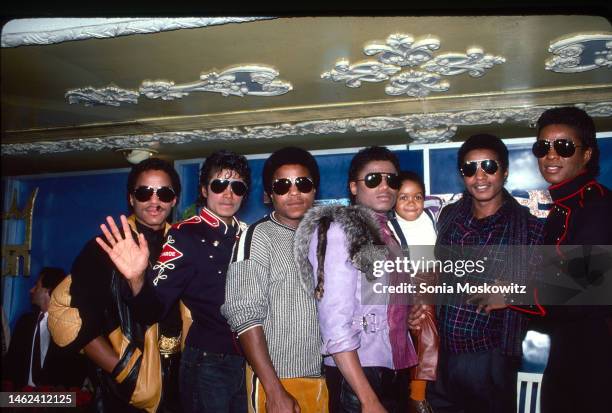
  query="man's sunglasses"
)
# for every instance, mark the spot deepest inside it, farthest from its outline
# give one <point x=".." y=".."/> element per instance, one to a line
<point x="489" y="166"/>
<point x="238" y="187"/>
<point x="281" y="186"/>
<point x="145" y="193"/>
<point x="373" y="179"/>
<point x="564" y="148"/>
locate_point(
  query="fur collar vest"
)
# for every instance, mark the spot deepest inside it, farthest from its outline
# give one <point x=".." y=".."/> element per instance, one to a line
<point x="362" y="232"/>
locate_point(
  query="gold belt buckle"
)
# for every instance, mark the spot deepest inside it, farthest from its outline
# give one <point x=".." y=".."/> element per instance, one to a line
<point x="169" y="345"/>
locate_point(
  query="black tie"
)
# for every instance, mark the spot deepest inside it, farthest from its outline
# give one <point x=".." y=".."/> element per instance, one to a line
<point x="36" y="367"/>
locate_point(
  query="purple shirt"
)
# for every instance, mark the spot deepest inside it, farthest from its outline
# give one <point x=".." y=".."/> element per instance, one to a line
<point x="346" y="324"/>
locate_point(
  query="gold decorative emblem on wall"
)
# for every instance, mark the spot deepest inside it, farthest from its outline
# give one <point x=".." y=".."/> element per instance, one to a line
<point x="13" y="255"/>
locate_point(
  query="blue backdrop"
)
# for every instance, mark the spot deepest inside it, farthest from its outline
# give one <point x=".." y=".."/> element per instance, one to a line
<point x="333" y="170"/>
<point x="70" y="207"/>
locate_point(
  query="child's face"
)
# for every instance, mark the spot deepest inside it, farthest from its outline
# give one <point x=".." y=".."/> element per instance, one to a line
<point x="410" y="201"/>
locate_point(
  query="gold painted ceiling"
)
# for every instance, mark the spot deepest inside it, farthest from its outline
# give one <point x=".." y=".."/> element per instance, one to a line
<point x="318" y="82"/>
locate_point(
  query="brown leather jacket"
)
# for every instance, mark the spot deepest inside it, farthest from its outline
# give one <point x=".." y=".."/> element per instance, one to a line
<point x="426" y="342"/>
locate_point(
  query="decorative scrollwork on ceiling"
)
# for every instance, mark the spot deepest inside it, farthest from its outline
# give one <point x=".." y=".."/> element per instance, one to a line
<point x="253" y="80"/>
<point x="42" y="31"/>
<point x="580" y="52"/>
<point x="366" y="71"/>
<point x="401" y="50"/>
<point x="598" y="110"/>
<point x="377" y="123"/>
<point x="109" y="96"/>
<point x="416" y="83"/>
<point x="433" y="135"/>
<point x="422" y="128"/>
<point x="474" y="62"/>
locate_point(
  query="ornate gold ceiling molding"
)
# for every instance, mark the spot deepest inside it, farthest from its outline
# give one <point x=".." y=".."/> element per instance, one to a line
<point x="365" y="71"/>
<point x="403" y="50"/>
<point x="364" y="109"/>
<point x="475" y="62"/>
<point x="42" y="31"/>
<point x="252" y="80"/>
<point x="580" y="52"/>
<point x="433" y="135"/>
<point x="416" y="83"/>
<point x="108" y="96"/>
<point x="244" y="80"/>
<point x="422" y="128"/>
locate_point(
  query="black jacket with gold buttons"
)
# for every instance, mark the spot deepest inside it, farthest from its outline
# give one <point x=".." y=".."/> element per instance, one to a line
<point x="192" y="267"/>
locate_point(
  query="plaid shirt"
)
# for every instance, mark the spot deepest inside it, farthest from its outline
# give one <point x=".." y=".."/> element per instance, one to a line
<point x="462" y="329"/>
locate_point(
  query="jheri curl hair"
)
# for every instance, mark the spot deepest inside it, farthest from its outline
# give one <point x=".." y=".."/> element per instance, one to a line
<point x="152" y="164"/>
<point x="582" y="123"/>
<point x="289" y="156"/>
<point x="484" y="141"/>
<point x="219" y="161"/>
<point x="365" y="156"/>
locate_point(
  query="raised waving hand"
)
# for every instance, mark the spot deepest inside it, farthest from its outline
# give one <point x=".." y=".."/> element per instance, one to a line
<point x="130" y="258"/>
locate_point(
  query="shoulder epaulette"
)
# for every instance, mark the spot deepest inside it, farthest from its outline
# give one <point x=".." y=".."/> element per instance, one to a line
<point x="193" y="220"/>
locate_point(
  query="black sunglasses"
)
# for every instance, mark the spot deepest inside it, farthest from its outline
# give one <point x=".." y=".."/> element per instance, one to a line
<point x="373" y="179"/>
<point x="219" y="185"/>
<point x="281" y="186"/>
<point x="145" y="193"/>
<point x="490" y="166"/>
<point x="564" y="147"/>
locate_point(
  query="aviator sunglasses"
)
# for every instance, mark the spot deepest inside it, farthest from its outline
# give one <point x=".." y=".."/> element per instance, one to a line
<point x="564" y="148"/>
<point x="219" y="185"/>
<point x="145" y="193"/>
<point x="281" y="186"/>
<point x="489" y="166"/>
<point x="373" y="179"/>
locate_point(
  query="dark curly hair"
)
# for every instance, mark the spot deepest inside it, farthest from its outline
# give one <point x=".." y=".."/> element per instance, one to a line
<point x="50" y="277"/>
<point x="219" y="161"/>
<point x="412" y="177"/>
<point x="365" y="156"/>
<point x="152" y="164"/>
<point x="582" y="123"/>
<point x="289" y="156"/>
<point x="484" y="141"/>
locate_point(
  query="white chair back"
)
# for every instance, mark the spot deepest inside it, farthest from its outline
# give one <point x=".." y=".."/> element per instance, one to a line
<point x="532" y="383"/>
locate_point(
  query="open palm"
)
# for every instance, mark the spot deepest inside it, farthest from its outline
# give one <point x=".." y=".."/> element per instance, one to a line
<point x="130" y="258"/>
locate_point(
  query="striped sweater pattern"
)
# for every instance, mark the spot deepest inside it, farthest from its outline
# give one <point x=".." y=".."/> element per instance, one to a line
<point x="264" y="289"/>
